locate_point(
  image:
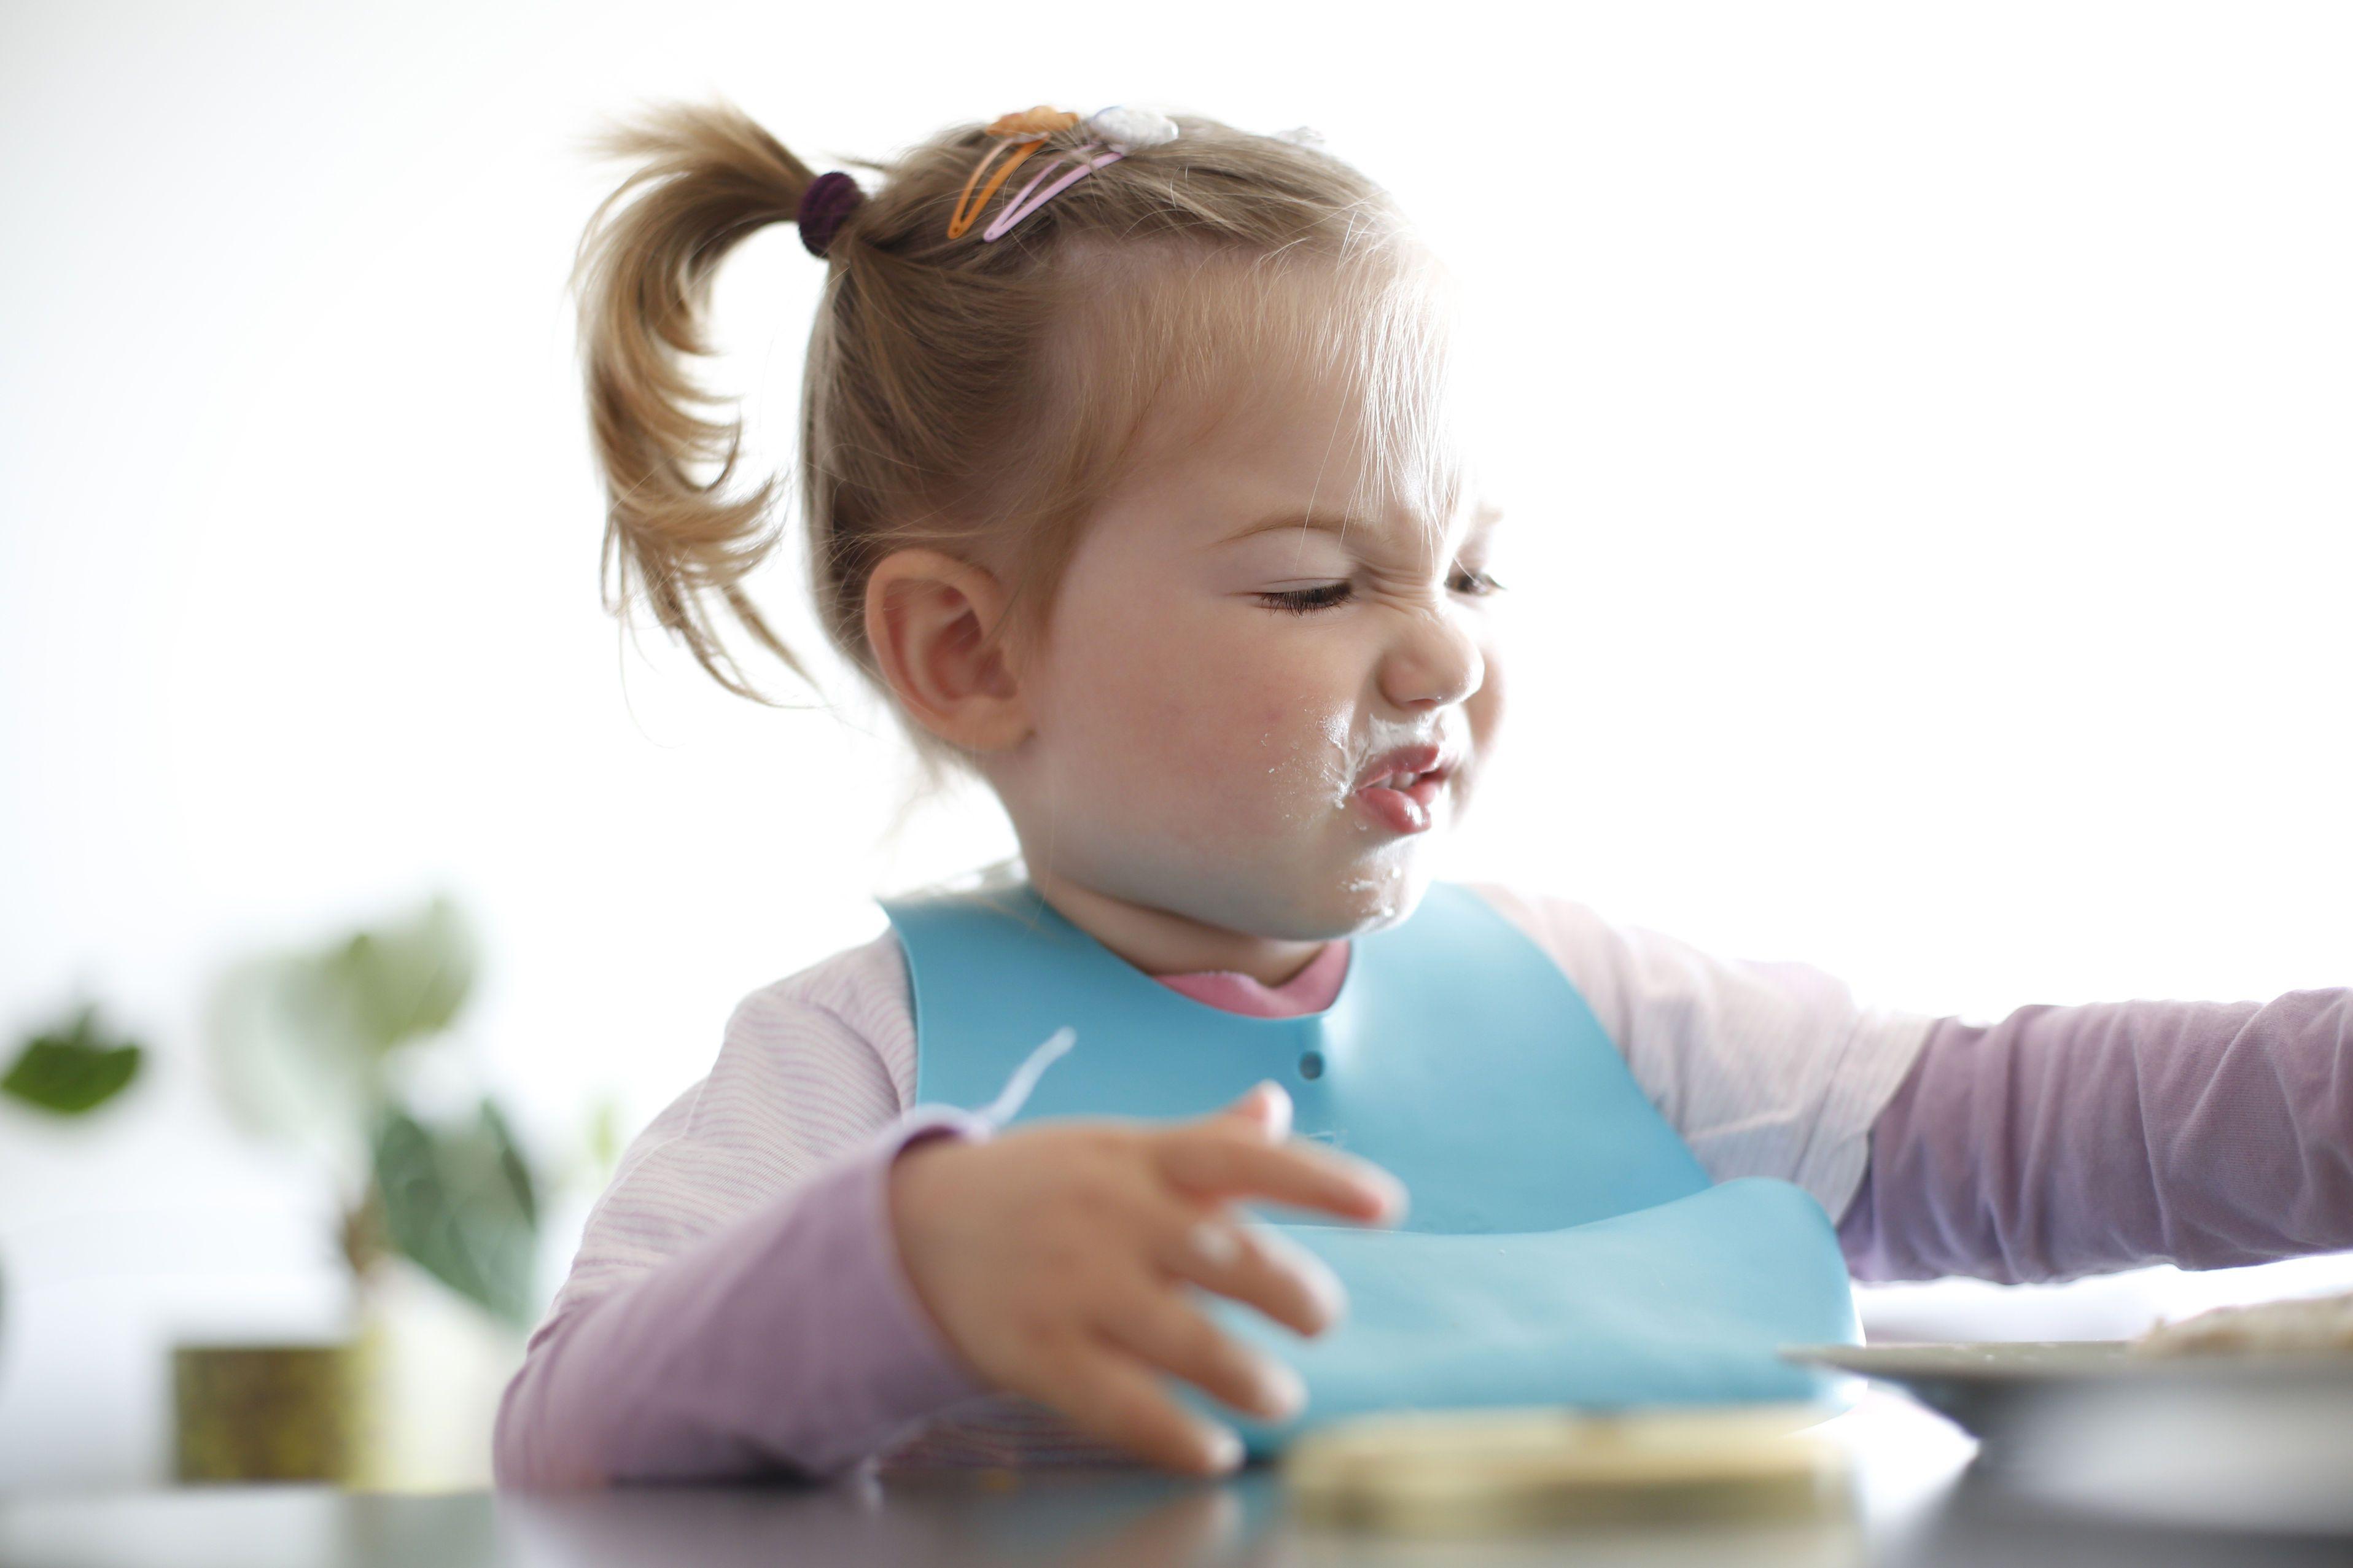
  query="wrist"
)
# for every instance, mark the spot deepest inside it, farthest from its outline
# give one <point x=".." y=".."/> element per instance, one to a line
<point x="920" y="1171"/>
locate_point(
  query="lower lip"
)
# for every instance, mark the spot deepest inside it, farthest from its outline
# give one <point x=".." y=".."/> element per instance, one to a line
<point x="1405" y="810"/>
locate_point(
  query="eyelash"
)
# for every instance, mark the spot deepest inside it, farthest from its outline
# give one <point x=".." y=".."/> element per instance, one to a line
<point x="1307" y="601"/>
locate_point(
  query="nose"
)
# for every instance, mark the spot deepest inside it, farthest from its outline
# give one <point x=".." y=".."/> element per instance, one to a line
<point x="1435" y="661"/>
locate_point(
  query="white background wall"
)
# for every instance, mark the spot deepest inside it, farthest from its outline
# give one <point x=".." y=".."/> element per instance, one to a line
<point x="1926" y="434"/>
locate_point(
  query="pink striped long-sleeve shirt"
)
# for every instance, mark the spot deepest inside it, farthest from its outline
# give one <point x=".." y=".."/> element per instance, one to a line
<point x="737" y="1306"/>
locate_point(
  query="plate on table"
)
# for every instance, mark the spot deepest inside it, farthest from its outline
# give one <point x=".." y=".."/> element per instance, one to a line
<point x="2247" y="1440"/>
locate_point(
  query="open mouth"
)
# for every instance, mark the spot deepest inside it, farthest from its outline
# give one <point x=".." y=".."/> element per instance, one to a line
<point x="1401" y="787"/>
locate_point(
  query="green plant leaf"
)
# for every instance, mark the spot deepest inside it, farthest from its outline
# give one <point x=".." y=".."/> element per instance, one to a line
<point x="72" y="1068"/>
<point x="459" y="1201"/>
<point x="286" y="1066"/>
<point x="402" y="980"/>
<point x="302" y="1042"/>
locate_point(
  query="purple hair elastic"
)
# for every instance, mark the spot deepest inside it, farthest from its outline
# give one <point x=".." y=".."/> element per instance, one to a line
<point x="1022" y="205"/>
<point x="829" y="199"/>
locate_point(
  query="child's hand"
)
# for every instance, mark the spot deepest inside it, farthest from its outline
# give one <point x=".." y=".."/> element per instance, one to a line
<point x="1054" y="1258"/>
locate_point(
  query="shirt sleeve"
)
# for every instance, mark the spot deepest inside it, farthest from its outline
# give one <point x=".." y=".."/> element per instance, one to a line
<point x="737" y="1306"/>
<point x="1763" y="1068"/>
<point x="2071" y="1141"/>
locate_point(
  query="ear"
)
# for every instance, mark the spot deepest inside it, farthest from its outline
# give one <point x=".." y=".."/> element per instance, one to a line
<point x="927" y="615"/>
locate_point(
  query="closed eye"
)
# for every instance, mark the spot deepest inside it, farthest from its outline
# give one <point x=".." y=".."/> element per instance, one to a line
<point x="1307" y="601"/>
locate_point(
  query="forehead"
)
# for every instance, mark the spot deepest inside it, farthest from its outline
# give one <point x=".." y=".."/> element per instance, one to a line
<point x="1311" y="392"/>
<point x="1289" y="455"/>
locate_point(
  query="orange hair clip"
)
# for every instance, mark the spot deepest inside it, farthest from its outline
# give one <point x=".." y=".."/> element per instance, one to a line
<point x="1038" y="123"/>
<point x="1025" y="130"/>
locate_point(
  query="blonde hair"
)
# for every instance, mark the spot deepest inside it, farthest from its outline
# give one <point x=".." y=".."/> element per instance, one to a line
<point x="957" y="395"/>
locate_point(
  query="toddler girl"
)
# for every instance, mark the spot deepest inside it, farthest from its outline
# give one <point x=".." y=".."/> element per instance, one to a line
<point x="1128" y="482"/>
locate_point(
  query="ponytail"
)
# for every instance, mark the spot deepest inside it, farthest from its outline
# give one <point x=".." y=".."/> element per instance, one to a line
<point x="711" y="177"/>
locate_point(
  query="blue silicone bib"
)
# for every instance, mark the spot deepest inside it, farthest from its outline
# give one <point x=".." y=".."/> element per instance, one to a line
<point x="1563" y="1245"/>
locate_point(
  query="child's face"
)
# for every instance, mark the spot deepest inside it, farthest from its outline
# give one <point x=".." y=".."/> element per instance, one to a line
<point x="1199" y="748"/>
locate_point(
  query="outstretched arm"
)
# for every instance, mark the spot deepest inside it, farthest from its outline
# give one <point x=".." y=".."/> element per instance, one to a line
<point x="2071" y="1141"/>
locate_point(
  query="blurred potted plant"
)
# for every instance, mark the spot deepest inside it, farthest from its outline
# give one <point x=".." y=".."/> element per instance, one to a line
<point x="346" y="1053"/>
<point x="67" y="1071"/>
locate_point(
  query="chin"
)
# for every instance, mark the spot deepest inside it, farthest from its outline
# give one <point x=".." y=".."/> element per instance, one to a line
<point x="1288" y="898"/>
<point x="1353" y="902"/>
<point x="1374" y="898"/>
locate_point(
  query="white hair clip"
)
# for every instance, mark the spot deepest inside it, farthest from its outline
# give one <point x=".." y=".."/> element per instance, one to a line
<point x="1304" y="135"/>
<point x="1130" y="129"/>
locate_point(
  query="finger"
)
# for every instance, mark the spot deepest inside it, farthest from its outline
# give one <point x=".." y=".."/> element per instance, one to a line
<point x="1265" y="1107"/>
<point x="1215" y="1162"/>
<point x="1107" y="1391"/>
<point x="1254" y="1266"/>
<point x="1165" y="1329"/>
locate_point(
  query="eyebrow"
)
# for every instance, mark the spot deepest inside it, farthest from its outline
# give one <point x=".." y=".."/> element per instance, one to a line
<point x="1484" y="518"/>
<point x="1324" y="522"/>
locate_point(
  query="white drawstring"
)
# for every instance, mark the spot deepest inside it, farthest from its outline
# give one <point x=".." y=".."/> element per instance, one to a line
<point x="1007" y="1103"/>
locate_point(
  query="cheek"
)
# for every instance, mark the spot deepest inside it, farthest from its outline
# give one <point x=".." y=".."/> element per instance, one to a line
<point x="1483" y="712"/>
<point x="1151" y="712"/>
<point x="1295" y="717"/>
<point x="1485" y="706"/>
<point x="1238" y="728"/>
<point x="1247" y="736"/>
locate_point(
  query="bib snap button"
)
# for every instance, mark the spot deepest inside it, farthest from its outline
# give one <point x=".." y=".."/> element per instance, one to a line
<point x="1311" y="1065"/>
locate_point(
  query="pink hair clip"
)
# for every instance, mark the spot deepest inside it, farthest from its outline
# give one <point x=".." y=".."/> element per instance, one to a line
<point x="1022" y="205"/>
<point x="1122" y="131"/>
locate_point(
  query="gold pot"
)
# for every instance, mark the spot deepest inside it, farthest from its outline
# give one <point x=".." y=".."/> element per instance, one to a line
<point x="268" y="1413"/>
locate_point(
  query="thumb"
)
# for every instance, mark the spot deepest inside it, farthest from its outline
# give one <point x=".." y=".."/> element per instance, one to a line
<point x="1266" y="1106"/>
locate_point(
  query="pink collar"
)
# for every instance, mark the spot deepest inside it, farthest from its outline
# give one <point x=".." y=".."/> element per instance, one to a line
<point x="1309" y="991"/>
